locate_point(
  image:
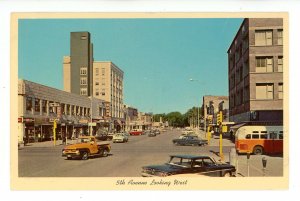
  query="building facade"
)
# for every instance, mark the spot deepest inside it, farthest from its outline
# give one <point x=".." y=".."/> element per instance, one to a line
<point x="40" y="106"/>
<point x="255" y="71"/>
<point x="211" y="106"/>
<point x="81" y="64"/>
<point x="108" y="86"/>
<point x="99" y="79"/>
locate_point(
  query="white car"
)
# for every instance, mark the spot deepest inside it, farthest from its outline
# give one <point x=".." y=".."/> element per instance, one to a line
<point x="120" y="137"/>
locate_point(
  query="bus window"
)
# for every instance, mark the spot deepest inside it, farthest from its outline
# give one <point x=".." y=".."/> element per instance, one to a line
<point x="263" y="136"/>
<point x="264" y="132"/>
<point x="248" y="136"/>
<point x="255" y="136"/>
<point x="280" y="136"/>
<point x="273" y="135"/>
<point x="255" y="132"/>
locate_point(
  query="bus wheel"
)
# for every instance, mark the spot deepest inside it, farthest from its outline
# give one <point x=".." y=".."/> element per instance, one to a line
<point x="258" y="150"/>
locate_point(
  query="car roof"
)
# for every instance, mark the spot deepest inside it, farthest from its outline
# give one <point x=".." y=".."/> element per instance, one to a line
<point x="190" y="156"/>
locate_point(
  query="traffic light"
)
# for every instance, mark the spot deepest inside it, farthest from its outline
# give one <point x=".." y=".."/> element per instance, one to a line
<point x="219" y="118"/>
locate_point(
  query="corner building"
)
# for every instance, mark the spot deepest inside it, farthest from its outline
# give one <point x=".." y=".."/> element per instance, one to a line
<point x="255" y="71"/>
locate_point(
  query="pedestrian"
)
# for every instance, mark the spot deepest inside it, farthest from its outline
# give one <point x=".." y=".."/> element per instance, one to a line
<point x="212" y="132"/>
<point x="231" y="134"/>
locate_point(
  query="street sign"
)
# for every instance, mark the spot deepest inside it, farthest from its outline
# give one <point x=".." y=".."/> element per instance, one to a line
<point x="93" y="124"/>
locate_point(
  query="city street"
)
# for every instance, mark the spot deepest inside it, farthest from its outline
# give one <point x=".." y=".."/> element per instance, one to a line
<point x="126" y="159"/>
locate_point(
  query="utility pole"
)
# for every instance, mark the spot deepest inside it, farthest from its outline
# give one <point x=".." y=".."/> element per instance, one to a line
<point x="219" y="122"/>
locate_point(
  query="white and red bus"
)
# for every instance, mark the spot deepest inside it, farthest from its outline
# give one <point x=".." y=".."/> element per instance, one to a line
<point x="259" y="139"/>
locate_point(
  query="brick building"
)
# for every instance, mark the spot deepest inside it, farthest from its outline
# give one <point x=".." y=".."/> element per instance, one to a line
<point x="255" y="71"/>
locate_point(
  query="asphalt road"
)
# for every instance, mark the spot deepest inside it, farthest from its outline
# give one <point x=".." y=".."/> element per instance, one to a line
<point x="125" y="159"/>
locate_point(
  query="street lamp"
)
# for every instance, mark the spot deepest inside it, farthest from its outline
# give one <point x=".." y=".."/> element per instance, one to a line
<point x="194" y="80"/>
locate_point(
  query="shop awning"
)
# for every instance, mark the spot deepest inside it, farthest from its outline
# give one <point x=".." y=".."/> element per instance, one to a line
<point x="235" y="127"/>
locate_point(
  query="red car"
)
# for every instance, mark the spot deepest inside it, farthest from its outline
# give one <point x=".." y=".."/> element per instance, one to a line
<point x="136" y="132"/>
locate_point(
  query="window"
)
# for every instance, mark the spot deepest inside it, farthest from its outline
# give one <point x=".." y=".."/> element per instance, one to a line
<point x="97" y="93"/>
<point x="264" y="91"/>
<point x="248" y="136"/>
<point x="83" y="71"/>
<point x="255" y="136"/>
<point x="36" y="104"/>
<point x="280" y="64"/>
<point x="273" y="135"/>
<point x="28" y="103"/>
<point x="263" y="37"/>
<point x="263" y="136"/>
<point x="280" y="37"/>
<point x="264" y="64"/>
<point x="103" y="71"/>
<point x="83" y="81"/>
<point x="44" y="106"/>
<point x="97" y="71"/>
<point x="83" y="91"/>
<point x="83" y="37"/>
<point x="280" y="91"/>
<point x="97" y="83"/>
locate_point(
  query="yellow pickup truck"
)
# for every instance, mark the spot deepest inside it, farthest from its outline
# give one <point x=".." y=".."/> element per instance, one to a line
<point x="86" y="147"/>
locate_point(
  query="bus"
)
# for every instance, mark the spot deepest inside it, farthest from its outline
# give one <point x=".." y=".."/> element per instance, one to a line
<point x="259" y="139"/>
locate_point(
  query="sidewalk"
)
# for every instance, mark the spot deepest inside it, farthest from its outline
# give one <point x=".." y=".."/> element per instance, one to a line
<point x="215" y="140"/>
<point x="49" y="143"/>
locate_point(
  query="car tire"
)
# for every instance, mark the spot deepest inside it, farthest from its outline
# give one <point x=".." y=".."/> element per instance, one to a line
<point x="258" y="150"/>
<point x="105" y="153"/>
<point x="85" y="155"/>
<point x="227" y="174"/>
<point x="69" y="158"/>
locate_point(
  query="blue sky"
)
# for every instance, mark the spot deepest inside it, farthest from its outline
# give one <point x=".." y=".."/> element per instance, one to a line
<point x="158" y="56"/>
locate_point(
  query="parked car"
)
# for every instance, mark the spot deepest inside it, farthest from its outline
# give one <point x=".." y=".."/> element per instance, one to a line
<point x="120" y="137"/>
<point x="156" y="131"/>
<point x="151" y="134"/>
<point x="188" y="134"/>
<point x="136" y="132"/>
<point x="190" y="140"/>
<point x="189" y="164"/>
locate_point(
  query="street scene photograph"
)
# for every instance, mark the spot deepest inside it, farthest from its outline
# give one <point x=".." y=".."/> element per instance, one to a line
<point x="160" y="97"/>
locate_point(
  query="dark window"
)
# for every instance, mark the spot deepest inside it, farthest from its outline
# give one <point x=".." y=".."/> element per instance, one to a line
<point x="37" y="105"/>
<point x="44" y="106"/>
<point x="28" y="103"/>
<point x="248" y="136"/>
<point x="263" y="136"/>
<point x="255" y="136"/>
<point x="281" y="136"/>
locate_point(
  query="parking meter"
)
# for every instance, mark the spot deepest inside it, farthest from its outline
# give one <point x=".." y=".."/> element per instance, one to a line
<point x="264" y="162"/>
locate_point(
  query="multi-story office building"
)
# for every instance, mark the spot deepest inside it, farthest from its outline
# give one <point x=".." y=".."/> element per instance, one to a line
<point x="78" y="68"/>
<point x="255" y="71"/>
<point x="100" y="79"/>
<point x="108" y="86"/>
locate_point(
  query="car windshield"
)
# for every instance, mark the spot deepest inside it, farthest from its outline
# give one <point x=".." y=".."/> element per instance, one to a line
<point x="181" y="162"/>
<point x="83" y="140"/>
